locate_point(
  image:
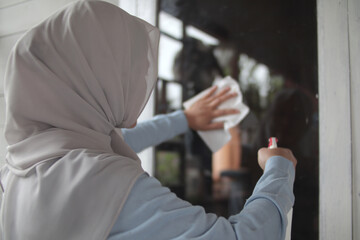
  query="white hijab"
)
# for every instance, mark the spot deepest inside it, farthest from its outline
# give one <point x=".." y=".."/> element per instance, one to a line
<point x="70" y="83"/>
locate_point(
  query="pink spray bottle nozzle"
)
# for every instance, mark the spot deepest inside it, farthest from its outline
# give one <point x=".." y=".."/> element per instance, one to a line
<point x="272" y="142"/>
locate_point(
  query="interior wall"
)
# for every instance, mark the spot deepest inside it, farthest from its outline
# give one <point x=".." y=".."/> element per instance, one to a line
<point x="354" y="49"/>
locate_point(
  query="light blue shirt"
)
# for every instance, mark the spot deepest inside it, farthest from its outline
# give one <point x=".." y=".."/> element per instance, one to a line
<point x="153" y="212"/>
<point x="155" y="131"/>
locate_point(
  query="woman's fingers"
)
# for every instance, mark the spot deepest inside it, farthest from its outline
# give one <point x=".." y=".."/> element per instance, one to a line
<point x="216" y="102"/>
<point x="219" y="113"/>
<point x="202" y="112"/>
<point x="223" y="112"/>
<point x="211" y="92"/>
<point x="215" y="125"/>
<point x="218" y="95"/>
<point x="222" y="92"/>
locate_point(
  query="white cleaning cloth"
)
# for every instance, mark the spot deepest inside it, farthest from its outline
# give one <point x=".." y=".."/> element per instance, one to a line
<point x="216" y="139"/>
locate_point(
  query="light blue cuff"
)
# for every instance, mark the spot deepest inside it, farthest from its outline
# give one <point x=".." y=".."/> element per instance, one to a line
<point x="279" y="163"/>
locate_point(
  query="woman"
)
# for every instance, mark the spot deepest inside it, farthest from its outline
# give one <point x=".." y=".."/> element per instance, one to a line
<point x="71" y="83"/>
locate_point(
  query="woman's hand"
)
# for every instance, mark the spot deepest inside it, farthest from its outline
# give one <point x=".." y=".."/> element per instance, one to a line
<point x="265" y="153"/>
<point x="202" y="112"/>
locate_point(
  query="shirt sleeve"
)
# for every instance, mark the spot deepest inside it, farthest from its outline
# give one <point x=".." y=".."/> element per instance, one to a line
<point x="155" y="131"/>
<point x="153" y="212"/>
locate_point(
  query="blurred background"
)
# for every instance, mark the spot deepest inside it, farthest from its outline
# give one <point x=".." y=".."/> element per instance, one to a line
<point x="270" y="48"/>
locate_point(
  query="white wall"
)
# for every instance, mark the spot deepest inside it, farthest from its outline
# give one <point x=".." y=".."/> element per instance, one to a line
<point x="339" y="90"/>
<point x="354" y="49"/>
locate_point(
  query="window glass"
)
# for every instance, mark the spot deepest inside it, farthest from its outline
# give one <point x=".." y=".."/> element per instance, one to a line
<point x="270" y="48"/>
<point x="170" y="25"/>
<point x="168" y="48"/>
<point x="200" y="35"/>
<point x="174" y="95"/>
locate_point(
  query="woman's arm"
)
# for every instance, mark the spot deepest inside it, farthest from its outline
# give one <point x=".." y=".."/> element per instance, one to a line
<point x="153" y="212"/>
<point x="155" y="131"/>
<point x="164" y="127"/>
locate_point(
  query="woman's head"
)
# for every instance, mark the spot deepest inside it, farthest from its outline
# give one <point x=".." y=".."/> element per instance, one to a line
<point x="87" y="69"/>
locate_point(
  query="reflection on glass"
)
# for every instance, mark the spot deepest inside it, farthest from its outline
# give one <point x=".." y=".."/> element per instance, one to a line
<point x="174" y="95"/>
<point x="253" y="73"/>
<point x="168" y="167"/>
<point x="170" y="25"/>
<point x="168" y="49"/>
<point x="271" y="49"/>
<point x="200" y="35"/>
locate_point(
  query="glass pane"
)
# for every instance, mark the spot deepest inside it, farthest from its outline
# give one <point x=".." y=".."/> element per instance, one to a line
<point x="270" y="48"/>
<point x="200" y="35"/>
<point x="170" y="25"/>
<point x="167" y="52"/>
<point x="174" y="95"/>
<point x="168" y="167"/>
